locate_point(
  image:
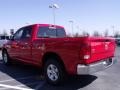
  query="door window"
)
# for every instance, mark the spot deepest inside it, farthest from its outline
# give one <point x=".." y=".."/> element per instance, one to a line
<point x="26" y="33"/>
<point x="23" y="33"/>
<point x="18" y="34"/>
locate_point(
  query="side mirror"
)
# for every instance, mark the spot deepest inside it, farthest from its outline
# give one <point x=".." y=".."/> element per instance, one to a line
<point x="12" y="38"/>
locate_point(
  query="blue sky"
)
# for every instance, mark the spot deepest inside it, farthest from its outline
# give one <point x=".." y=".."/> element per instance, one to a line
<point x="88" y="15"/>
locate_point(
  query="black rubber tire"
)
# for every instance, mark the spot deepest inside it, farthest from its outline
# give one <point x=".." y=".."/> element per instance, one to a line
<point x="6" y="56"/>
<point x="61" y="73"/>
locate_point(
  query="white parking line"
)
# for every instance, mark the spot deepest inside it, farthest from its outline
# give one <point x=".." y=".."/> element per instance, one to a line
<point x="21" y="85"/>
<point x="13" y="87"/>
<point x="25" y="85"/>
<point x="17" y="79"/>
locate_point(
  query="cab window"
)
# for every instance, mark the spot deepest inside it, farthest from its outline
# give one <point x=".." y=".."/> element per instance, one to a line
<point x="23" y="33"/>
<point x="45" y="31"/>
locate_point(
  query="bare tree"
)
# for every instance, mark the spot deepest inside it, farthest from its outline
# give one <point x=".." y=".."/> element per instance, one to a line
<point x="116" y="34"/>
<point x="106" y="33"/>
<point x="84" y="33"/>
<point x="69" y="35"/>
<point x="76" y="35"/>
<point x="4" y="33"/>
<point x="96" y="33"/>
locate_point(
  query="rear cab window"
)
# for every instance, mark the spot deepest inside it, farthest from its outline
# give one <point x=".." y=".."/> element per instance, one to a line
<point x="46" y="31"/>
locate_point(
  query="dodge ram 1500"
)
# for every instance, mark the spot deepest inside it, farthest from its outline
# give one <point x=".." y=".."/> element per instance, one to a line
<point x="48" y="47"/>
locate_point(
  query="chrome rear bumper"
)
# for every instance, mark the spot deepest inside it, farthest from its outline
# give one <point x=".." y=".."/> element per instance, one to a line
<point x="95" y="67"/>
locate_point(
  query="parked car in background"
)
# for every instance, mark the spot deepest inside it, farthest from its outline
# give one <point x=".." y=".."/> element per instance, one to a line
<point x="3" y="40"/>
<point x="117" y="41"/>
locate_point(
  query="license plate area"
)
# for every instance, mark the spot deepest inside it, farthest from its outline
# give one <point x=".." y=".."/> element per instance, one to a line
<point x="107" y="62"/>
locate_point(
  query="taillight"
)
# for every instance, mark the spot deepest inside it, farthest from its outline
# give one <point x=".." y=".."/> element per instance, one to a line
<point x="86" y="56"/>
<point x="85" y="52"/>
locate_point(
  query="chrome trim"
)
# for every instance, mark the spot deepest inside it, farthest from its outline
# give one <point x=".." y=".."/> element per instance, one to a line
<point x="95" y="67"/>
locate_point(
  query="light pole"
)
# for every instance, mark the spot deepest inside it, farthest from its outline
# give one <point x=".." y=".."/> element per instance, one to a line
<point x="54" y="7"/>
<point x="71" y="21"/>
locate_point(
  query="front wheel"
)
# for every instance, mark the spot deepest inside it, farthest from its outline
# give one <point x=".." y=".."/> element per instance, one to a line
<point x="6" y="59"/>
<point x="53" y="72"/>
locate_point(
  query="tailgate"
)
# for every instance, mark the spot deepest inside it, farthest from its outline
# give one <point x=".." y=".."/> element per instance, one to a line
<point x="101" y="48"/>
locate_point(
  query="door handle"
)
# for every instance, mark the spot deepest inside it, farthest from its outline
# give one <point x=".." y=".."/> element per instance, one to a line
<point x="26" y="43"/>
<point x="14" y="45"/>
<point x="66" y="40"/>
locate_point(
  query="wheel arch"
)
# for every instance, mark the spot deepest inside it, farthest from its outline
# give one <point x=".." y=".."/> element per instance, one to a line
<point x="57" y="57"/>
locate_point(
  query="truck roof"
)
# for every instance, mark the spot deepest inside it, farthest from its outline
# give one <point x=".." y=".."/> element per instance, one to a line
<point x="45" y="25"/>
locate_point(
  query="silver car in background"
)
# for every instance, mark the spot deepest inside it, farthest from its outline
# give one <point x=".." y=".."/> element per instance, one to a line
<point x="117" y="41"/>
<point x="3" y="40"/>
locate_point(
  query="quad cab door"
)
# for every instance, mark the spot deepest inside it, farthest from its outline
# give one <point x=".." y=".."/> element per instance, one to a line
<point x="14" y="49"/>
<point x="25" y="45"/>
<point x="21" y="45"/>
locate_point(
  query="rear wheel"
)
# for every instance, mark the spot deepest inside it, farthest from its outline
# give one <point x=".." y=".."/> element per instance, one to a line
<point x="54" y="72"/>
<point x="6" y="59"/>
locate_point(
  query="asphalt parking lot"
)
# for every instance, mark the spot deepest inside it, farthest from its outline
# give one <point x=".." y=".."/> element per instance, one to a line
<point x="23" y="77"/>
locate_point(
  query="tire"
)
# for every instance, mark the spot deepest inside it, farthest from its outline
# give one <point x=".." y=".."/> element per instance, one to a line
<point x="54" y="72"/>
<point x="6" y="58"/>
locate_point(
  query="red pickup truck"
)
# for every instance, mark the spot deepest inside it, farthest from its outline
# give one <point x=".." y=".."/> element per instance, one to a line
<point x="48" y="47"/>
